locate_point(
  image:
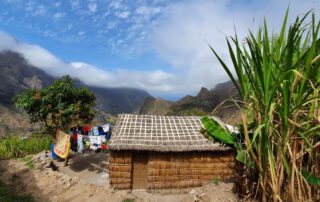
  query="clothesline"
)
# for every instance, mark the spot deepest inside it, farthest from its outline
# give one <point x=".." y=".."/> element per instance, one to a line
<point x="94" y="138"/>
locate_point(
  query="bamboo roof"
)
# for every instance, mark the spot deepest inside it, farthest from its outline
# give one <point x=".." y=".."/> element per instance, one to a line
<point x="161" y="133"/>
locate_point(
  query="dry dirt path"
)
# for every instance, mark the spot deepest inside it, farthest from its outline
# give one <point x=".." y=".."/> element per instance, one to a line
<point x="86" y="179"/>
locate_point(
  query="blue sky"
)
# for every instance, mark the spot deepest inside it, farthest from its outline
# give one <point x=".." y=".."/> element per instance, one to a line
<point x="160" y="45"/>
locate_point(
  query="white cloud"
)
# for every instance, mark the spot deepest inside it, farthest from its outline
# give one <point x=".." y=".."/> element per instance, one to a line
<point x="176" y="32"/>
<point x="123" y="14"/>
<point x="48" y="33"/>
<point x="115" y="5"/>
<point x="92" y="7"/>
<point x="145" y="10"/>
<point x="156" y="81"/>
<point x="29" y="7"/>
<point x="81" y="33"/>
<point x="39" y="11"/>
<point x="59" y="15"/>
<point x="111" y="24"/>
<point x="57" y="4"/>
<point x="182" y="36"/>
<point x="75" y="4"/>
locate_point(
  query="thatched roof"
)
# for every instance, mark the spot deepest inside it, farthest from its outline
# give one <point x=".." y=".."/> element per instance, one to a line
<point x="160" y="133"/>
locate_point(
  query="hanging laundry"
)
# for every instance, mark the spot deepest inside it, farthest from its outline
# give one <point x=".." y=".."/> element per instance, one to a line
<point x="74" y="141"/>
<point x="106" y="128"/>
<point x="95" y="141"/>
<point x="95" y="131"/>
<point x="103" y="138"/>
<point x="80" y="143"/>
<point x="108" y="136"/>
<point x="101" y="132"/>
<point x="62" y="145"/>
<point x="90" y="133"/>
<point x="93" y="147"/>
<point x="103" y="146"/>
<point x="86" y="129"/>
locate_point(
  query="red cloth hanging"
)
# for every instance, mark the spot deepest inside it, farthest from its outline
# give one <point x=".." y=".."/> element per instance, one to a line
<point x="86" y="129"/>
<point x="103" y="146"/>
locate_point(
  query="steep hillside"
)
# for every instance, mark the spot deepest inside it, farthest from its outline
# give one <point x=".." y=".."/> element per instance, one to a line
<point x="216" y="101"/>
<point x="119" y="100"/>
<point x="157" y="106"/>
<point x="17" y="75"/>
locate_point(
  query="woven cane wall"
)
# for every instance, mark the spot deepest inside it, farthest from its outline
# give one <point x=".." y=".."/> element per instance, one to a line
<point x="120" y="169"/>
<point x="188" y="169"/>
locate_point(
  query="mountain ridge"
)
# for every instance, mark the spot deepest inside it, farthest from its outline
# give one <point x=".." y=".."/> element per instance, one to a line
<point x="216" y="101"/>
<point x="17" y="75"/>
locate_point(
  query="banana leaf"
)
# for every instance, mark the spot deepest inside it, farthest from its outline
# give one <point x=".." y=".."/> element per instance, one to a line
<point x="217" y="132"/>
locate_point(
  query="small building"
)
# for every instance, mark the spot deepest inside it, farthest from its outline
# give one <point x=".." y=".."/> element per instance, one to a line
<point x="165" y="152"/>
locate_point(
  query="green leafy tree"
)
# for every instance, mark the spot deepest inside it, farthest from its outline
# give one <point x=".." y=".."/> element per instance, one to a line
<point x="60" y="105"/>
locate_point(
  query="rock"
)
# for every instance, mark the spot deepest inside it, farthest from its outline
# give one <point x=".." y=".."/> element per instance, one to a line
<point x="65" y="178"/>
<point x="74" y="180"/>
<point x="67" y="185"/>
<point x="204" y="197"/>
<point x="42" y="160"/>
<point x="104" y="176"/>
<point x="60" y="182"/>
<point x="122" y="193"/>
<point x="193" y="191"/>
<point x="197" y="195"/>
<point x="59" y="175"/>
<point x="23" y="170"/>
<point x="54" y="198"/>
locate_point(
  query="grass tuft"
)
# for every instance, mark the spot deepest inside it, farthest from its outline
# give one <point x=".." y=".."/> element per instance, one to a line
<point x="16" y="147"/>
<point x="128" y="200"/>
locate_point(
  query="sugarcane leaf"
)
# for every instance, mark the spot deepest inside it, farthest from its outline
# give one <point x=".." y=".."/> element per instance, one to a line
<point x="310" y="178"/>
<point x="286" y="165"/>
<point x="256" y="132"/>
<point x="225" y="67"/>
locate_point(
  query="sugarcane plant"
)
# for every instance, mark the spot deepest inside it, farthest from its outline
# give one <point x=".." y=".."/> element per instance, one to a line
<point x="278" y="79"/>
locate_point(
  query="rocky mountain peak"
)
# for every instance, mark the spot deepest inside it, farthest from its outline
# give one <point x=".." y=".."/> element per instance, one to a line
<point x="204" y="93"/>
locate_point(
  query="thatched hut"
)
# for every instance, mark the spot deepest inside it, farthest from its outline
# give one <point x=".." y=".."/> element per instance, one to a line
<point x="165" y="152"/>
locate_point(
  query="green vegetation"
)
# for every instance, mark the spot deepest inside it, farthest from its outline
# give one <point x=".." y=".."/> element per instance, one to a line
<point x="7" y="194"/>
<point x="29" y="162"/>
<point x="278" y="78"/>
<point x="128" y="200"/>
<point x="187" y="110"/>
<point x="16" y="147"/>
<point x="216" y="180"/>
<point x="60" y="105"/>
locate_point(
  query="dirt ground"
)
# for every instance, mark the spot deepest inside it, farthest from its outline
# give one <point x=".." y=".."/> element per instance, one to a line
<point x="86" y="178"/>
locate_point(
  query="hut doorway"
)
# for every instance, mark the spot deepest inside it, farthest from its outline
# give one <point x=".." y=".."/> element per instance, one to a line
<point x="140" y="170"/>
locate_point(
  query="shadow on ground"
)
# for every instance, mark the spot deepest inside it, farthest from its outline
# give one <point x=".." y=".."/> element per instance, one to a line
<point x="89" y="168"/>
<point x="94" y="162"/>
<point x="16" y="181"/>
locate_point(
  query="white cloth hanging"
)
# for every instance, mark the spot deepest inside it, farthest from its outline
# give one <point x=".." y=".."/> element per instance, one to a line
<point x="106" y="128"/>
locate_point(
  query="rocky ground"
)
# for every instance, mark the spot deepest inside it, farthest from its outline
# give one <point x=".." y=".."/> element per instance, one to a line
<point x="86" y="179"/>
